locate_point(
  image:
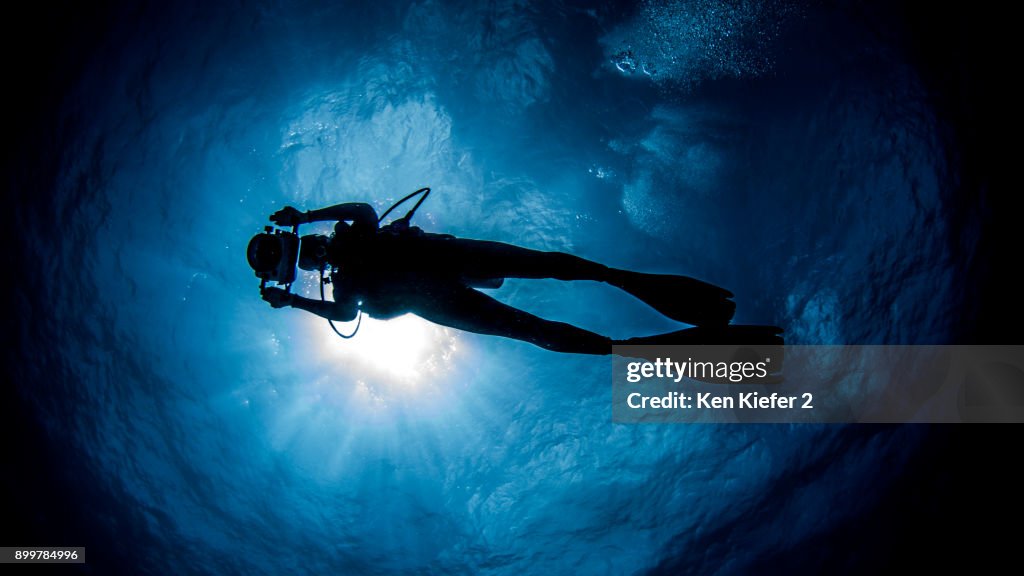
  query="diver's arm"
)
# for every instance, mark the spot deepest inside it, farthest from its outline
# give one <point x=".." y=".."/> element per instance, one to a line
<point x="340" y="311"/>
<point x="362" y="215"/>
<point x="329" y="310"/>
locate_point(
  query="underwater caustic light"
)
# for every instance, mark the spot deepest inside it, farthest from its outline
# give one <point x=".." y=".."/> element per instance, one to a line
<point x="404" y="351"/>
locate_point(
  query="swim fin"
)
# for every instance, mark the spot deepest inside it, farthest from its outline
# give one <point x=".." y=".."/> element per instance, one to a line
<point x="742" y="344"/>
<point x="732" y="335"/>
<point x="680" y="298"/>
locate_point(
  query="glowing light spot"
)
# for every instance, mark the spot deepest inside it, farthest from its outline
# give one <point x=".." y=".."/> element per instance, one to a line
<point x="404" y="351"/>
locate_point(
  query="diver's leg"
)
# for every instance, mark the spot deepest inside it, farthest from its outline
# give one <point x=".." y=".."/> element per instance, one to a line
<point x="487" y="259"/>
<point x="466" y="309"/>
<point x="715" y="335"/>
<point x="678" y="297"/>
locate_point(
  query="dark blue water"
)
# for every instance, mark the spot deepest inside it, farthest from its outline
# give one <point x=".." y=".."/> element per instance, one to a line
<point x="815" y="160"/>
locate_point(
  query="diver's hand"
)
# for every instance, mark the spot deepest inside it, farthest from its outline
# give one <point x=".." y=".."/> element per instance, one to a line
<point x="277" y="297"/>
<point x="289" y="216"/>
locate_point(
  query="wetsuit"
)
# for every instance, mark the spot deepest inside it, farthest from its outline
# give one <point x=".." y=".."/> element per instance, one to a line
<point x="393" y="272"/>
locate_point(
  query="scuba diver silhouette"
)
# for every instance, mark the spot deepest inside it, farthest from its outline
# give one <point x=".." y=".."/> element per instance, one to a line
<point x="390" y="270"/>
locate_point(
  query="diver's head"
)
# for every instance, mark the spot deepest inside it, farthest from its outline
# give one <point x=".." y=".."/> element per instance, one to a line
<point x="313" y="252"/>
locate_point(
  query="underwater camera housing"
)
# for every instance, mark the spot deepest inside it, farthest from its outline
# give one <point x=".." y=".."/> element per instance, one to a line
<point x="274" y="254"/>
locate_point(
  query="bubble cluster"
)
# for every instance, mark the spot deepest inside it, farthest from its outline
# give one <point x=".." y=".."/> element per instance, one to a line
<point x="688" y="42"/>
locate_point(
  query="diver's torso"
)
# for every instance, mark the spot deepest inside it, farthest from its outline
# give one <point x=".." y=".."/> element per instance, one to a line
<point x="390" y="272"/>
